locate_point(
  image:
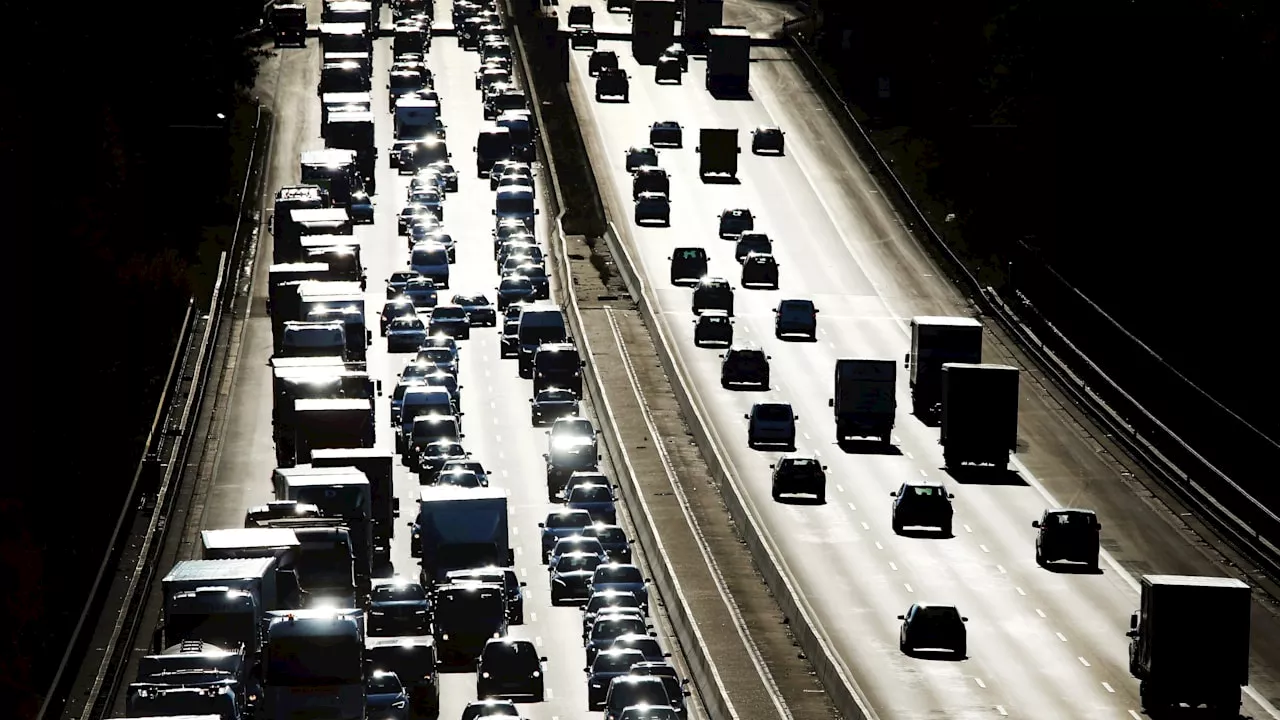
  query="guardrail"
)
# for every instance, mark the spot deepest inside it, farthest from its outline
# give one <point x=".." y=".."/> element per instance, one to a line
<point x="151" y="496"/>
<point x="711" y="693"/>
<point x="1244" y="521"/>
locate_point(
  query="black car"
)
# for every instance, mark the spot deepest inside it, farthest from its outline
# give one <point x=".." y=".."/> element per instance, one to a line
<point x="449" y="320"/>
<point x="514" y="289"/>
<point x="480" y="312"/>
<point x="433" y="455"/>
<point x="398" y="280"/>
<point x="505" y="577"/>
<point x="584" y="39"/>
<point x="760" y="270"/>
<point x="459" y="479"/>
<point x="668" y="69"/>
<point x="613" y="539"/>
<point x="536" y="273"/>
<point x="1068" y="535"/>
<point x="650" y="178"/>
<point x="613" y="83"/>
<point x="712" y="327"/>
<point x="713" y="293"/>
<point x="750" y="241"/>
<point x="490" y="708"/>
<point x="510" y="668"/>
<point x="552" y="403"/>
<point x="922" y="504"/>
<point x="735" y="221"/>
<point x="926" y="626"/>
<point x="794" y="475"/>
<point x="398" y="606"/>
<point x="666" y="133"/>
<point x="744" y="366"/>
<point x="678" y="52"/>
<point x="606" y="666"/>
<point x="767" y="139"/>
<point x="394" y="309"/>
<point x="601" y="59"/>
<point x="688" y="265"/>
<point x="571" y="577"/>
<point x="671" y="679"/>
<point x="509" y="346"/>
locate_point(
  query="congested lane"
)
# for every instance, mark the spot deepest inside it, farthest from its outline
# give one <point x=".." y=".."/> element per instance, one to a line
<point x="1037" y="639"/>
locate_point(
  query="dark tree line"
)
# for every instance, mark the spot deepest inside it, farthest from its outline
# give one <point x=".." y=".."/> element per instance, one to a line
<point x="1132" y="144"/>
<point x="107" y="206"/>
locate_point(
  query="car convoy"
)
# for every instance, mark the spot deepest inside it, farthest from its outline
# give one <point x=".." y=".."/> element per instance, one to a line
<point x="292" y="615"/>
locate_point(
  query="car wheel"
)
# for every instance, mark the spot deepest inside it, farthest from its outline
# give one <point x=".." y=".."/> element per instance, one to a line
<point x="946" y="529"/>
<point x="904" y="647"/>
<point x="897" y="527"/>
<point x="963" y="650"/>
<point x="1039" y="557"/>
<point x="822" y="497"/>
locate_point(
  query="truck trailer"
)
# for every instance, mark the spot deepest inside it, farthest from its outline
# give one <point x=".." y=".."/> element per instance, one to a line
<point x="653" y="29"/>
<point x="343" y="493"/>
<point x="1190" y="643"/>
<point x="377" y="466"/>
<point x="699" y="17"/>
<point x="728" y="61"/>
<point x="193" y="666"/>
<point x="979" y="414"/>
<point x="354" y="131"/>
<point x="934" y="342"/>
<point x="222" y="601"/>
<point x="459" y="528"/>
<point x="865" y="399"/>
<point x="313" y="665"/>
<point x="718" y="152"/>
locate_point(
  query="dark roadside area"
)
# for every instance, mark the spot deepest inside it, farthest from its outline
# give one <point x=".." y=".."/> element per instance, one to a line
<point x="125" y="136"/>
<point x="1114" y="152"/>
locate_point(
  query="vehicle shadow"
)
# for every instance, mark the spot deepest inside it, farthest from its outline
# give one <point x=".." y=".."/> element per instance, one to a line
<point x="745" y="388"/>
<point x="985" y="476"/>
<point x="925" y="534"/>
<point x="943" y="655"/>
<point x="772" y="447"/>
<point x="384" y="569"/>
<point x="1064" y="568"/>
<point x="799" y="500"/>
<point x="796" y="338"/>
<point x="734" y="96"/>
<point x="720" y="180"/>
<point x="859" y="446"/>
<point x="769" y="153"/>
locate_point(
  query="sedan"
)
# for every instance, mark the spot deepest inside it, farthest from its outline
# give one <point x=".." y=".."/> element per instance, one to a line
<point x="551" y="404"/>
<point x="448" y="174"/>
<point x="422" y="292"/>
<point x="536" y="273"/>
<point x="440" y="358"/>
<point x="666" y="133"/>
<point x="385" y="696"/>
<point x="450" y="320"/>
<point x="571" y="577"/>
<point x="561" y="524"/>
<point x="398" y="280"/>
<point x="608" y="627"/>
<point x="395" y="309"/>
<point x="614" y="540"/>
<point x="480" y="312"/>
<point x="735" y="221"/>
<point x="490" y="708"/>
<point x="654" y="207"/>
<point x="361" y="208"/>
<point x="405" y="334"/>
<point x="575" y="544"/>
<point x="473" y="466"/>
<point x="647" y="645"/>
<point x="459" y="479"/>
<point x="598" y="500"/>
<point x="407" y="216"/>
<point x="606" y="601"/>
<point x="622" y="576"/>
<point x="399" y="606"/>
<point x="641" y="156"/>
<point x="607" y="665"/>
<point x="434" y="455"/>
<point x="926" y="626"/>
<point x="514" y="289"/>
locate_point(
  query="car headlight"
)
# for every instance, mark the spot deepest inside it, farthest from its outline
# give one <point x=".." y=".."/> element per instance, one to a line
<point x="398" y="704"/>
<point x="484" y="675"/>
<point x="444" y="636"/>
<point x="536" y="674"/>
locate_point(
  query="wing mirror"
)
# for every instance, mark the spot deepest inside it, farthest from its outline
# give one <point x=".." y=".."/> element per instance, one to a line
<point x="772" y="467"/>
<point x="1035" y="523"/>
<point x="906" y="360"/>
<point x="894" y="494"/>
<point x="902" y="617"/>
<point x="541" y="525"/>
<point x="964" y="619"/>
<point x="831" y="402"/>
<point x="542" y="659"/>
<point x="745" y="416"/>
<point x="950" y="496"/>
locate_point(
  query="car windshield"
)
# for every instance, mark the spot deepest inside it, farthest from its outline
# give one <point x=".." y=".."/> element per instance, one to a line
<point x="773" y="413"/>
<point x="578" y="427"/>
<point x="801" y="463"/>
<point x="937" y="614"/>
<point x="599" y="601"/>
<point x="799" y="306"/>
<point x="1070" y="520"/>
<point x="436" y="355"/>
<point x="572" y="563"/>
<point x="398" y="593"/>
<point x="646" y="693"/>
<point x="471" y="300"/>
<point x="532" y="270"/>
<point x="749" y="355"/>
<point x="555" y="396"/>
<point x="506" y="657"/>
<point x="407" y="323"/>
<point x="614" y="662"/>
<point x="382" y="683"/>
<point x="402" y="277"/>
<point x="591" y="494"/>
<point x="926" y="492"/>
<point x="618" y="574"/>
<point x="611" y="627"/>
<point x="443" y="449"/>
<point x="568" y="520"/>
<point x="609" y="535"/>
<point x="515" y="283"/>
<point x="459" y="479"/>
<point x="449" y="313"/>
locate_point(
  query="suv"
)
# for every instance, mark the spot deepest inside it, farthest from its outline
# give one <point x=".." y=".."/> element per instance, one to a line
<point x="666" y="133"/>
<point x="612" y="82"/>
<point x="796" y="317"/>
<point x="922" y="504"/>
<point x="650" y="178"/>
<point x="688" y="265"/>
<point x="713" y="293"/>
<point x="735" y="221"/>
<point x="744" y="366"/>
<point x="795" y="474"/>
<point x="760" y="269"/>
<point x="600" y="60"/>
<point x="1067" y="534"/>
<point x="772" y="424"/>
<point x="750" y="241"/>
<point x="712" y="326"/>
<point x="671" y="679"/>
<point x="510" y="668"/>
<point x="627" y="690"/>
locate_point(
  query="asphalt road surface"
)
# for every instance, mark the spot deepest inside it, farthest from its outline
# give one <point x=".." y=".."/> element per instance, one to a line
<point x="1041" y="643"/>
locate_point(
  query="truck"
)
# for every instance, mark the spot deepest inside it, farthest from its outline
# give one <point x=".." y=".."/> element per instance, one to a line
<point x="459" y="528"/>
<point x="728" y="61"/>
<point x="377" y="466"/>
<point x="343" y="493"/>
<point x="345" y="37"/>
<point x="699" y="17"/>
<point x="865" y="399"/>
<point x="330" y="423"/>
<point x="283" y="279"/>
<point x="295" y="197"/>
<point x="413" y="659"/>
<point x="313" y="665"/>
<point x="349" y="11"/>
<point x="332" y="103"/>
<point x="313" y="339"/>
<point x="1201" y="657"/>
<point x="351" y="130"/>
<point x="416" y="118"/>
<point x="334" y="170"/>
<point x="222" y="601"/>
<point x="311" y="378"/>
<point x="240" y="543"/>
<point x="317" y="305"/>
<point x="165" y="701"/>
<point x="653" y="29"/>
<point x="193" y="676"/>
<point x="310" y="221"/>
<point x="718" y="152"/>
<point x="936" y="340"/>
<point x="979" y="414"/>
<point x="325" y="565"/>
<point x="342" y="253"/>
<point x="348" y="76"/>
<point x="289" y="24"/>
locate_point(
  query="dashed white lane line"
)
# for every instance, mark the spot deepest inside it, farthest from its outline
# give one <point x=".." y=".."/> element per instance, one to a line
<point x="832" y="345"/>
<point x="1061" y="637"/>
<point x="550" y="693"/>
<point x="1108" y="687"/>
<point x="1040" y="613"/>
<point x="515" y="530"/>
<point x="980" y="683"/>
<point x="498" y="439"/>
<point x="893" y="567"/>
<point x="1083" y="661"/>
<point x="533" y="617"/>
<point x="1021" y="592"/>
<point x="866" y="526"/>
<point x="1001" y="569"/>
<point x="923" y="473"/>
<point x="806" y="436"/>
<point x="538" y="641"/>
<point x="908" y="587"/>
<point x="1135" y="715"/>
<point x="968" y="529"/>
<point x="984" y="548"/>
<point x="524" y="572"/>
<point x="909" y="456"/>
<point x="519" y="550"/>
<point x="504" y="473"/>
<point x="493" y="403"/>
<point x="1000" y="709"/>
<point x="879" y="546"/>
<point x="853" y="507"/>
<point x="840" y="488"/>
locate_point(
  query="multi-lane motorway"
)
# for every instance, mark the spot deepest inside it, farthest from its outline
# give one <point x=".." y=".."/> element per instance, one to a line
<point x="495" y="399"/>
<point x="1041" y="643"/>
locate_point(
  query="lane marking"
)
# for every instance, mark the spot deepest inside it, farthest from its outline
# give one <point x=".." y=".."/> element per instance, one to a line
<point x="1108" y="687"/>
<point x="806" y="435"/>
<point x="968" y="529"/>
<point x="984" y="548"/>
<point x="524" y="572"/>
<point x="866" y="526"/>
<point x="1041" y="613"/>
<point x="980" y="683"/>
<point x="892" y="566"/>
<point x="538" y="641"/>
<point x="853" y="507"/>
<point x="504" y="473"/>
<point x="1061" y="637"/>
<point x="1083" y="661"/>
<point x="550" y="693"/>
<point x="515" y="530"/>
<point x="533" y="616"/>
<point x="879" y="546"/>
<point x="1021" y="592"/>
<point x="519" y="550"/>
<point x="1002" y="570"/>
<point x="909" y="455"/>
<point x="908" y="586"/>
<point x="1000" y="709"/>
<point x="1135" y="715"/>
<point x="923" y="473"/>
<point x="840" y="488"/>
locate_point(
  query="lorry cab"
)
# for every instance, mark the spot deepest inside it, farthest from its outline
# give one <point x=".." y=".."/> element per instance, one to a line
<point x="318" y="339"/>
<point x="336" y="102"/>
<point x="1067" y="534"/>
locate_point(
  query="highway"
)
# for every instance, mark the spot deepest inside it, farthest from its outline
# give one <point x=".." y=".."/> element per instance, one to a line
<point x="1041" y="643"/>
<point x="495" y="399"/>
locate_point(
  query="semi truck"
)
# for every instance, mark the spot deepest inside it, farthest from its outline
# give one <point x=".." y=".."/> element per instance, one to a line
<point x="979" y="414"/>
<point x="312" y="378"/>
<point x="459" y="528"/>
<point x="330" y="423"/>
<point x="718" y="152"/>
<point x="416" y="118"/>
<point x="326" y="561"/>
<point x="295" y="197"/>
<point x="653" y="29"/>
<point x="699" y="17"/>
<point x="287" y="247"/>
<point x="728" y="61"/>
<point x="340" y="492"/>
<point x="865" y="399"/>
<point x="377" y="466"/>
<point x="289" y="24"/>
<point x="283" y="279"/>
<point x="172" y="681"/>
<point x="354" y="131"/>
<point x="331" y="103"/>
<point x="1189" y="642"/>
<point x="313" y="665"/>
<point x="222" y="601"/>
<point x="349" y="11"/>
<point x="342" y="253"/>
<point x="334" y="170"/>
<point x="935" y="341"/>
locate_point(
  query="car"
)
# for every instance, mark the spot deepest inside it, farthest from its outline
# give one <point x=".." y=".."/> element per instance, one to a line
<point x="508" y="667"/>
<point x="499" y="169"/>
<point x="607" y="665"/>
<point x="799" y="474"/>
<point x="613" y="539"/>
<point x="446" y="381"/>
<point x="744" y="365"/>
<point x="514" y="289"/>
<point x="649" y="178"/>
<point x="688" y="265"/>
<point x="713" y="293"/>
<point x="432" y="456"/>
<point x="397" y="281"/>
<point x="678" y="52"/>
<point x="735" y="221"/>
<point x="584" y="38"/>
<point x="613" y="82"/>
<point x="667" y="69"/>
<point x="609" y="626"/>
<point x="624" y="577"/>
<point x="767" y="139"/>
<point x="795" y="317"/>
<point x="505" y="577"/>
<point x="515" y="253"/>
<point x="438" y="236"/>
<point x="405" y="334"/>
<point x="480" y="312"/>
<point x="572" y="436"/>
<point x="750" y="241"/>
<point x="397" y="397"/>
<point x="551" y="404"/>
<point x="647" y="645"/>
<point x="398" y="606"/>
<point x="450" y="320"/>
<point x="641" y="156"/>
<point x="649" y="712"/>
<point x="519" y="174"/>
<point x="615" y="5"/>
<point x="581" y="477"/>
<point x="560" y="524"/>
<point x="920" y="503"/>
<point x="926" y="626"/>
<point x="601" y="59"/>
<point x="536" y="274"/>
<point x="426" y="179"/>
<point x="407" y="215"/>
<point x="430" y="198"/>
<point x="509" y="229"/>
<point x="1068" y="534"/>
<point x="490" y="708"/>
<point x="400" y="307"/>
<point x="436" y="357"/>
<point x="771" y="423"/>
<point x="492" y="73"/>
<point x="360" y="207"/>
<point x="760" y="270"/>
<point x="713" y="327"/>
<point x="447" y="173"/>
<point x="581" y="16"/>
<point x="596" y="499"/>
<point x="632" y="691"/>
<point x="421" y="228"/>
<point x="421" y="291"/>
<point x="575" y="544"/>
<point x="472" y="466"/>
<point x="385" y="696"/>
<point x="603" y="602"/>
<point x="571" y="577"/>
<point x="509" y="345"/>
<point x="670" y="678"/>
<point x="458" y="478"/>
<point x="666" y="133"/>
<point x="653" y="207"/>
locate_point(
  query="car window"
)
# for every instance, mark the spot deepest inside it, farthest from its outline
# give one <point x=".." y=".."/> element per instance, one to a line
<point x="398" y="593"/>
<point x="567" y="520"/>
<point x="773" y="412"/>
<point x="572" y="563"/>
<point x="610" y="535"/>
<point x="618" y="574"/>
<point x="614" y="662"/>
<point x="383" y="682"/>
<point x="592" y="494"/>
<point x="927" y="491"/>
<point x="938" y="614"/>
